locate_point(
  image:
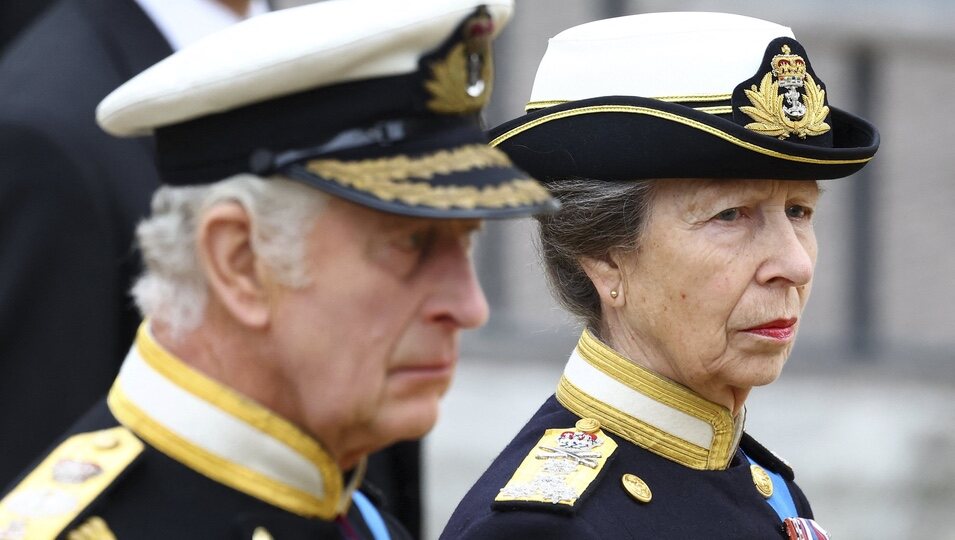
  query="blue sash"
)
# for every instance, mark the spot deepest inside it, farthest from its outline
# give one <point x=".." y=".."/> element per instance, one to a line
<point x="372" y="516"/>
<point x="783" y="504"/>
<point x="782" y="500"/>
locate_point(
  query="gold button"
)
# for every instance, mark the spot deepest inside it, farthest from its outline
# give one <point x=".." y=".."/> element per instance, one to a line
<point x="105" y="441"/>
<point x="261" y="533"/>
<point x="637" y="488"/>
<point x="588" y="425"/>
<point x="764" y="483"/>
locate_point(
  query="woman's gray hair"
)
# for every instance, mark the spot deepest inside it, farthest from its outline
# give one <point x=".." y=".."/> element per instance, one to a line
<point x="596" y="217"/>
<point x="173" y="289"/>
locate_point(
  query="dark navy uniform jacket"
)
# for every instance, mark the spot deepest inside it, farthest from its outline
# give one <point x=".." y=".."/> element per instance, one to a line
<point x="173" y="454"/>
<point x="686" y="456"/>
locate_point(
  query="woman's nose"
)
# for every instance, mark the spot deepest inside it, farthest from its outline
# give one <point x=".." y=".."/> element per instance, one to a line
<point x="790" y="254"/>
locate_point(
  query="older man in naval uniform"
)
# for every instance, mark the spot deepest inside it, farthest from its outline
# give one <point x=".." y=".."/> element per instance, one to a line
<point x="307" y="274"/>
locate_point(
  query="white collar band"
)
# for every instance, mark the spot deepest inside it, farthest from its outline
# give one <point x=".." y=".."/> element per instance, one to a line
<point x="647" y="409"/>
<point x="224" y="435"/>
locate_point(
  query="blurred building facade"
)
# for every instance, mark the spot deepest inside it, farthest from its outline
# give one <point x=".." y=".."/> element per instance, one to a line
<point x="872" y="377"/>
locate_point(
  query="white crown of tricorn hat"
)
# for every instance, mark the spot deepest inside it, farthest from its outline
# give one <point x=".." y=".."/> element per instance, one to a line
<point x="682" y="95"/>
<point x="669" y="56"/>
<point x="284" y="52"/>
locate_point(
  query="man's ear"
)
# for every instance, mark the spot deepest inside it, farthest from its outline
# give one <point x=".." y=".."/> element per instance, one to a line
<point x="606" y="276"/>
<point x="230" y="266"/>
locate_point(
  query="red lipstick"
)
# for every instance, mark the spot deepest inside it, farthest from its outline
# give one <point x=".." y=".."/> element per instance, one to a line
<point x="780" y="329"/>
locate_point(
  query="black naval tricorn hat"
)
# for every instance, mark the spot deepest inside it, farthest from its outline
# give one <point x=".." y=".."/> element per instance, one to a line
<point x="374" y="101"/>
<point x="682" y="95"/>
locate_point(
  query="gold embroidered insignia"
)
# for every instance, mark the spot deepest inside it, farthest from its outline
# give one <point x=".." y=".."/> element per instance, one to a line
<point x="389" y="179"/>
<point x="93" y="529"/>
<point x="461" y="81"/>
<point x="15" y="530"/>
<point x="66" y="482"/>
<point x="793" y="112"/>
<point x="561" y="466"/>
<point x="72" y="471"/>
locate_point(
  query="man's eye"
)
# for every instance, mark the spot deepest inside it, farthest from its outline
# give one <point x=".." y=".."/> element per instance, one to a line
<point x="414" y="241"/>
<point x="798" y="211"/>
<point x="731" y="214"/>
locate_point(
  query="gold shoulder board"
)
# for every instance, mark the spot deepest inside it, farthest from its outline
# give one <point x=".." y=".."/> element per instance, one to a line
<point x="561" y="466"/>
<point x="66" y="482"/>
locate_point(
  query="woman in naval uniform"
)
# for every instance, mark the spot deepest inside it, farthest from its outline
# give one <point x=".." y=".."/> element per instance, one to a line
<point x="685" y="149"/>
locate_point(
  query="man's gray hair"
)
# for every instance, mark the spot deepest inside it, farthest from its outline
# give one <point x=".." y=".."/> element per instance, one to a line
<point x="173" y="289"/>
<point x="595" y="218"/>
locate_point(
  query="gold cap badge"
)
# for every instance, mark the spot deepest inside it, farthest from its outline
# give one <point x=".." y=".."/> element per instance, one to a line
<point x="800" y="110"/>
<point x="461" y="80"/>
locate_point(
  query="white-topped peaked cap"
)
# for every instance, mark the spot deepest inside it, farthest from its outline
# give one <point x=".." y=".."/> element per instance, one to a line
<point x="679" y="56"/>
<point x="284" y="52"/>
<point x="682" y="95"/>
<point x="374" y="101"/>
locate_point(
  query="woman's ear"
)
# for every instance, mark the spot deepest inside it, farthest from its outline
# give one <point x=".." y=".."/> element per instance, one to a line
<point x="230" y="265"/>
<point x="606" y="276"/>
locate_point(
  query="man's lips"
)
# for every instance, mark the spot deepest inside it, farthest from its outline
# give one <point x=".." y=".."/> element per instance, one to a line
<point x="780" y="329"/>
<point x="431" y="367"/>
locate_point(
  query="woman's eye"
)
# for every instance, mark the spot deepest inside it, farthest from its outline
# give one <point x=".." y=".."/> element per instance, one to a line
<point x="798" y="211"/>
<point x="731" y="214"/>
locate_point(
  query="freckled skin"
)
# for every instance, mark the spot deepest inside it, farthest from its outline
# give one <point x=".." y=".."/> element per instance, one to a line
<point x="716" y="258"/>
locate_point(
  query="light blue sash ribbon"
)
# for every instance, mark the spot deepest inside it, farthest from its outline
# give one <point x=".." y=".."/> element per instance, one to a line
<point x="372" y="516"/>
<point x="785" y="507"/>
<point x="781" y="500"/>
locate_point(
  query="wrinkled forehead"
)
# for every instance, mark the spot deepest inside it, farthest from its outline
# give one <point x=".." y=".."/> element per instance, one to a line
<point x="702" y="188"/>
<point x="699" y="199"/>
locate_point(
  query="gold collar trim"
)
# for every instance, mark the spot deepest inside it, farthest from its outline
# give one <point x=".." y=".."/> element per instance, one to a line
<point x="225" y="436"/>
<point x="646" y="409"/>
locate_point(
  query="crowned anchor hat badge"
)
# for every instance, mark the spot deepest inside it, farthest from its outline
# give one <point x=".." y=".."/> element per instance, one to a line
<point x="799" y="110"/>
<point x="461" y="80"/>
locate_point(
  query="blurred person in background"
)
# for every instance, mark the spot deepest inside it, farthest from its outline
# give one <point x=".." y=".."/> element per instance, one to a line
<point x="15" y="15"/>
<point x="686" y="150"/>
<point x="307" y="273"/>
<point x="70" y="197"/>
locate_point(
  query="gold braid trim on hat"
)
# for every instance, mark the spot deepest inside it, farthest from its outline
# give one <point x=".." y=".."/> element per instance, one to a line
<point x="541" y="104"/>
<point x="389" y="179"/>
<point x="689" y="122"/>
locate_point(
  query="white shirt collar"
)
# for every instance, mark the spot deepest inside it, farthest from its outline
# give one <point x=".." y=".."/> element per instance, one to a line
<point x="647" y="409"/>
<point x="225" y="436"/>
